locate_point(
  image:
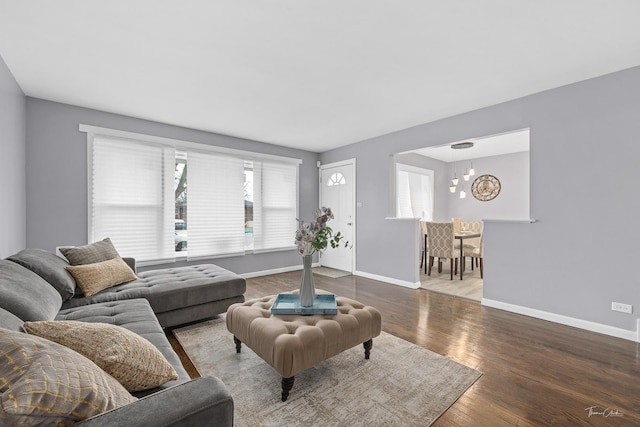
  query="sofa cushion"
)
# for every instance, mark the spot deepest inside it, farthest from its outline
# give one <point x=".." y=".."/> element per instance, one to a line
<point x="135" y="315"/>
<point x="92" y="278"/>
<point x="10" y="321"/>
<point x="124" y="355"/>
<point x="48" y="266"/>
<point x="173" y="288"/>
<point x="91" y="253"/>
<point x="25" y="294"/>
<point x="44" y="383"/>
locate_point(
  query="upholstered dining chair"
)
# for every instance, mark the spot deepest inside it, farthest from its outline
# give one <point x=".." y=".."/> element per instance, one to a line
<point x="473" y="245"/>
<point x="457" y="225"/>
<point x="476" y="253"/>
<point x="423" y="243"/>
<point x="441" y="244"/>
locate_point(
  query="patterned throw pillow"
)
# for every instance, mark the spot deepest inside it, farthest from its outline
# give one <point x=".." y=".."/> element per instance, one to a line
<point x="132" y="360"/>
<point x="91" y="253"/>
<point x="92" y="278"/>
<point x="44" y="383"/>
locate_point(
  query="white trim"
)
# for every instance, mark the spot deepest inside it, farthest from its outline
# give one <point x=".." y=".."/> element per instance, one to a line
<point x="513" y="221"/>
<point x="178" y="143"/>
<point x="354" y="212"/>
<point x="276" y="271"/>
<point x="339" y="163"/>
<point x="405" y="284"/>
<point x="262" y="251"/>
<point x="395" y="218"/>
<point x="565" y="320"/>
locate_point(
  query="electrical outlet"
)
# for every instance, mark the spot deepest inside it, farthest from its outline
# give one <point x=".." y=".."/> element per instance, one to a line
<point x="624" y="308"/>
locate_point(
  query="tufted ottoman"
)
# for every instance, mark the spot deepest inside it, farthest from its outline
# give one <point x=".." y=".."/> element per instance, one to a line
<point x="292" y="343"/>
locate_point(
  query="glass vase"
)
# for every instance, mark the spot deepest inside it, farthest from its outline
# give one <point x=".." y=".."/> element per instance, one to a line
<point x="307" y="289"/>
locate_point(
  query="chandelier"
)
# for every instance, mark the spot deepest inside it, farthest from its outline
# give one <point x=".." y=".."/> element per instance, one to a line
<point x="468" y="172"/>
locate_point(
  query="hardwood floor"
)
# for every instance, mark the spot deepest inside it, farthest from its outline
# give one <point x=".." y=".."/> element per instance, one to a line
<point x="536" y="373"/>
<point x="470" y="287"/>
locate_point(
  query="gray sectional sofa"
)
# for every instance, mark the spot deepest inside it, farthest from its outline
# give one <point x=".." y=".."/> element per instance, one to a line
<point x="35" y="286"/>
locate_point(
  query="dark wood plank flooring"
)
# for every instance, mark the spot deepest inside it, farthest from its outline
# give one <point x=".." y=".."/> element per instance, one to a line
<point x="536" y="373"/>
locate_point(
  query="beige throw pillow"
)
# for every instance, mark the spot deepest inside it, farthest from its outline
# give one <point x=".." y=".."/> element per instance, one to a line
<point x="91" y="253"/>
<point x="132" y="360"/>
<point x="92" y="278"/>
<point x="44" y="383"/>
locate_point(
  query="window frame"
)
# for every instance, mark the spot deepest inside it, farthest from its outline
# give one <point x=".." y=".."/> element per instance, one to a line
<point x="180" y="145"/>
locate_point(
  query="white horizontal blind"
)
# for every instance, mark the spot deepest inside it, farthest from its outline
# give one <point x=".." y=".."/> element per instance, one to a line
<point x="275" y="205"/>
<point x="131" y="197"/>
<point x="215" y="199"/>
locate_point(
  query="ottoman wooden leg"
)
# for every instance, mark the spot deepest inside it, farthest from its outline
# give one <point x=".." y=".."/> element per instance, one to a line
<point x="287" y="384"/>
<point x="238" y="344"/>
<point x="367" y="348"/>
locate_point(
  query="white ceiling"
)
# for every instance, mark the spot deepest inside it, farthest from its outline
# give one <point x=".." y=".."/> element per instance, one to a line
<point x="309" y="74"/>
<point x="506" y="143"/>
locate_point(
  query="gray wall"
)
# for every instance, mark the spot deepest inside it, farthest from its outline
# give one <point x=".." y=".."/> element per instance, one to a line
<point x="513" y="201"/>
<point x="584" y="153"/>
<point x="57" y="176"/>
<point x="12" y="164"/>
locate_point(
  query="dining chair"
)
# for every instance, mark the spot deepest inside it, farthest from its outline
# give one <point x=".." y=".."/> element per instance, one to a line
<point x="473" y="245"/>
<point x="423" y="243"/>
<point x="441" y="244"/>
<point x="457" y="225"/>
<point x="476" y="253"/>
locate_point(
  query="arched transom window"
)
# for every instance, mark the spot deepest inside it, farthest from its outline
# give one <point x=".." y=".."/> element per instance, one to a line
<point x="336" y="178"/>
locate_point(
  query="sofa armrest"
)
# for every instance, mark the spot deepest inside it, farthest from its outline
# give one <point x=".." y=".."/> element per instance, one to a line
<point x="131" y="262"/>
<point x="199" y="402"/>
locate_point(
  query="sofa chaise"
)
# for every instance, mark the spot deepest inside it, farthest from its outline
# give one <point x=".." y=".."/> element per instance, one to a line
<point x="36" y="287"/>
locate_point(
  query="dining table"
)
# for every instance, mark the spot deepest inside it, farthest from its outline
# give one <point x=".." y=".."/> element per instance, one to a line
<point x="461" y="236"/>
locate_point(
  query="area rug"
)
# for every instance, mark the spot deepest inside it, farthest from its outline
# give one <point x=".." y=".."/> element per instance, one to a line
<point x="330" y="272"/>
<point x="402" y="384"/>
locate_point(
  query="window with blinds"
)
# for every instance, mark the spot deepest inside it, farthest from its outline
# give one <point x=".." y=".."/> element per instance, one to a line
<point x="275" y="205"/>
<point x="131" y="197"/>
<point x="215" y="205"/>
<point x="158" y="198"/>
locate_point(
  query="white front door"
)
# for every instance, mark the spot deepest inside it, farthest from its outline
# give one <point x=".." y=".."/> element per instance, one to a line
<point x="337" y="191"/>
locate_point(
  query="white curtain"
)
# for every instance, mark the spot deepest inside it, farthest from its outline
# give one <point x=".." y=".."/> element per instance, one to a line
<point x="414" y="193"/>
<point x="275" y="205"/>
<point x="132" y="197"/>
<point x="215" y="200"/>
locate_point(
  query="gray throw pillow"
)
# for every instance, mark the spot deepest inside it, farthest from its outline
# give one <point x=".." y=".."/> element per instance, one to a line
<point x="48" y="266"/>
<point x="27" y="295"/>
<point x="91" y="253"/>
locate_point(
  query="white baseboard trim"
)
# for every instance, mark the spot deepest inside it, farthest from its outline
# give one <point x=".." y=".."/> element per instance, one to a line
<point x="275" y="271"/>
<point x="393" y="281"/>
<point x="566" y="320"/>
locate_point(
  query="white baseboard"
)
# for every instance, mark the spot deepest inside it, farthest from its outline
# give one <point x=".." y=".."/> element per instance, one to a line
<point x="276" y="271"/>
<point x="565" y="320"/>
<point x="391" y="280"/>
